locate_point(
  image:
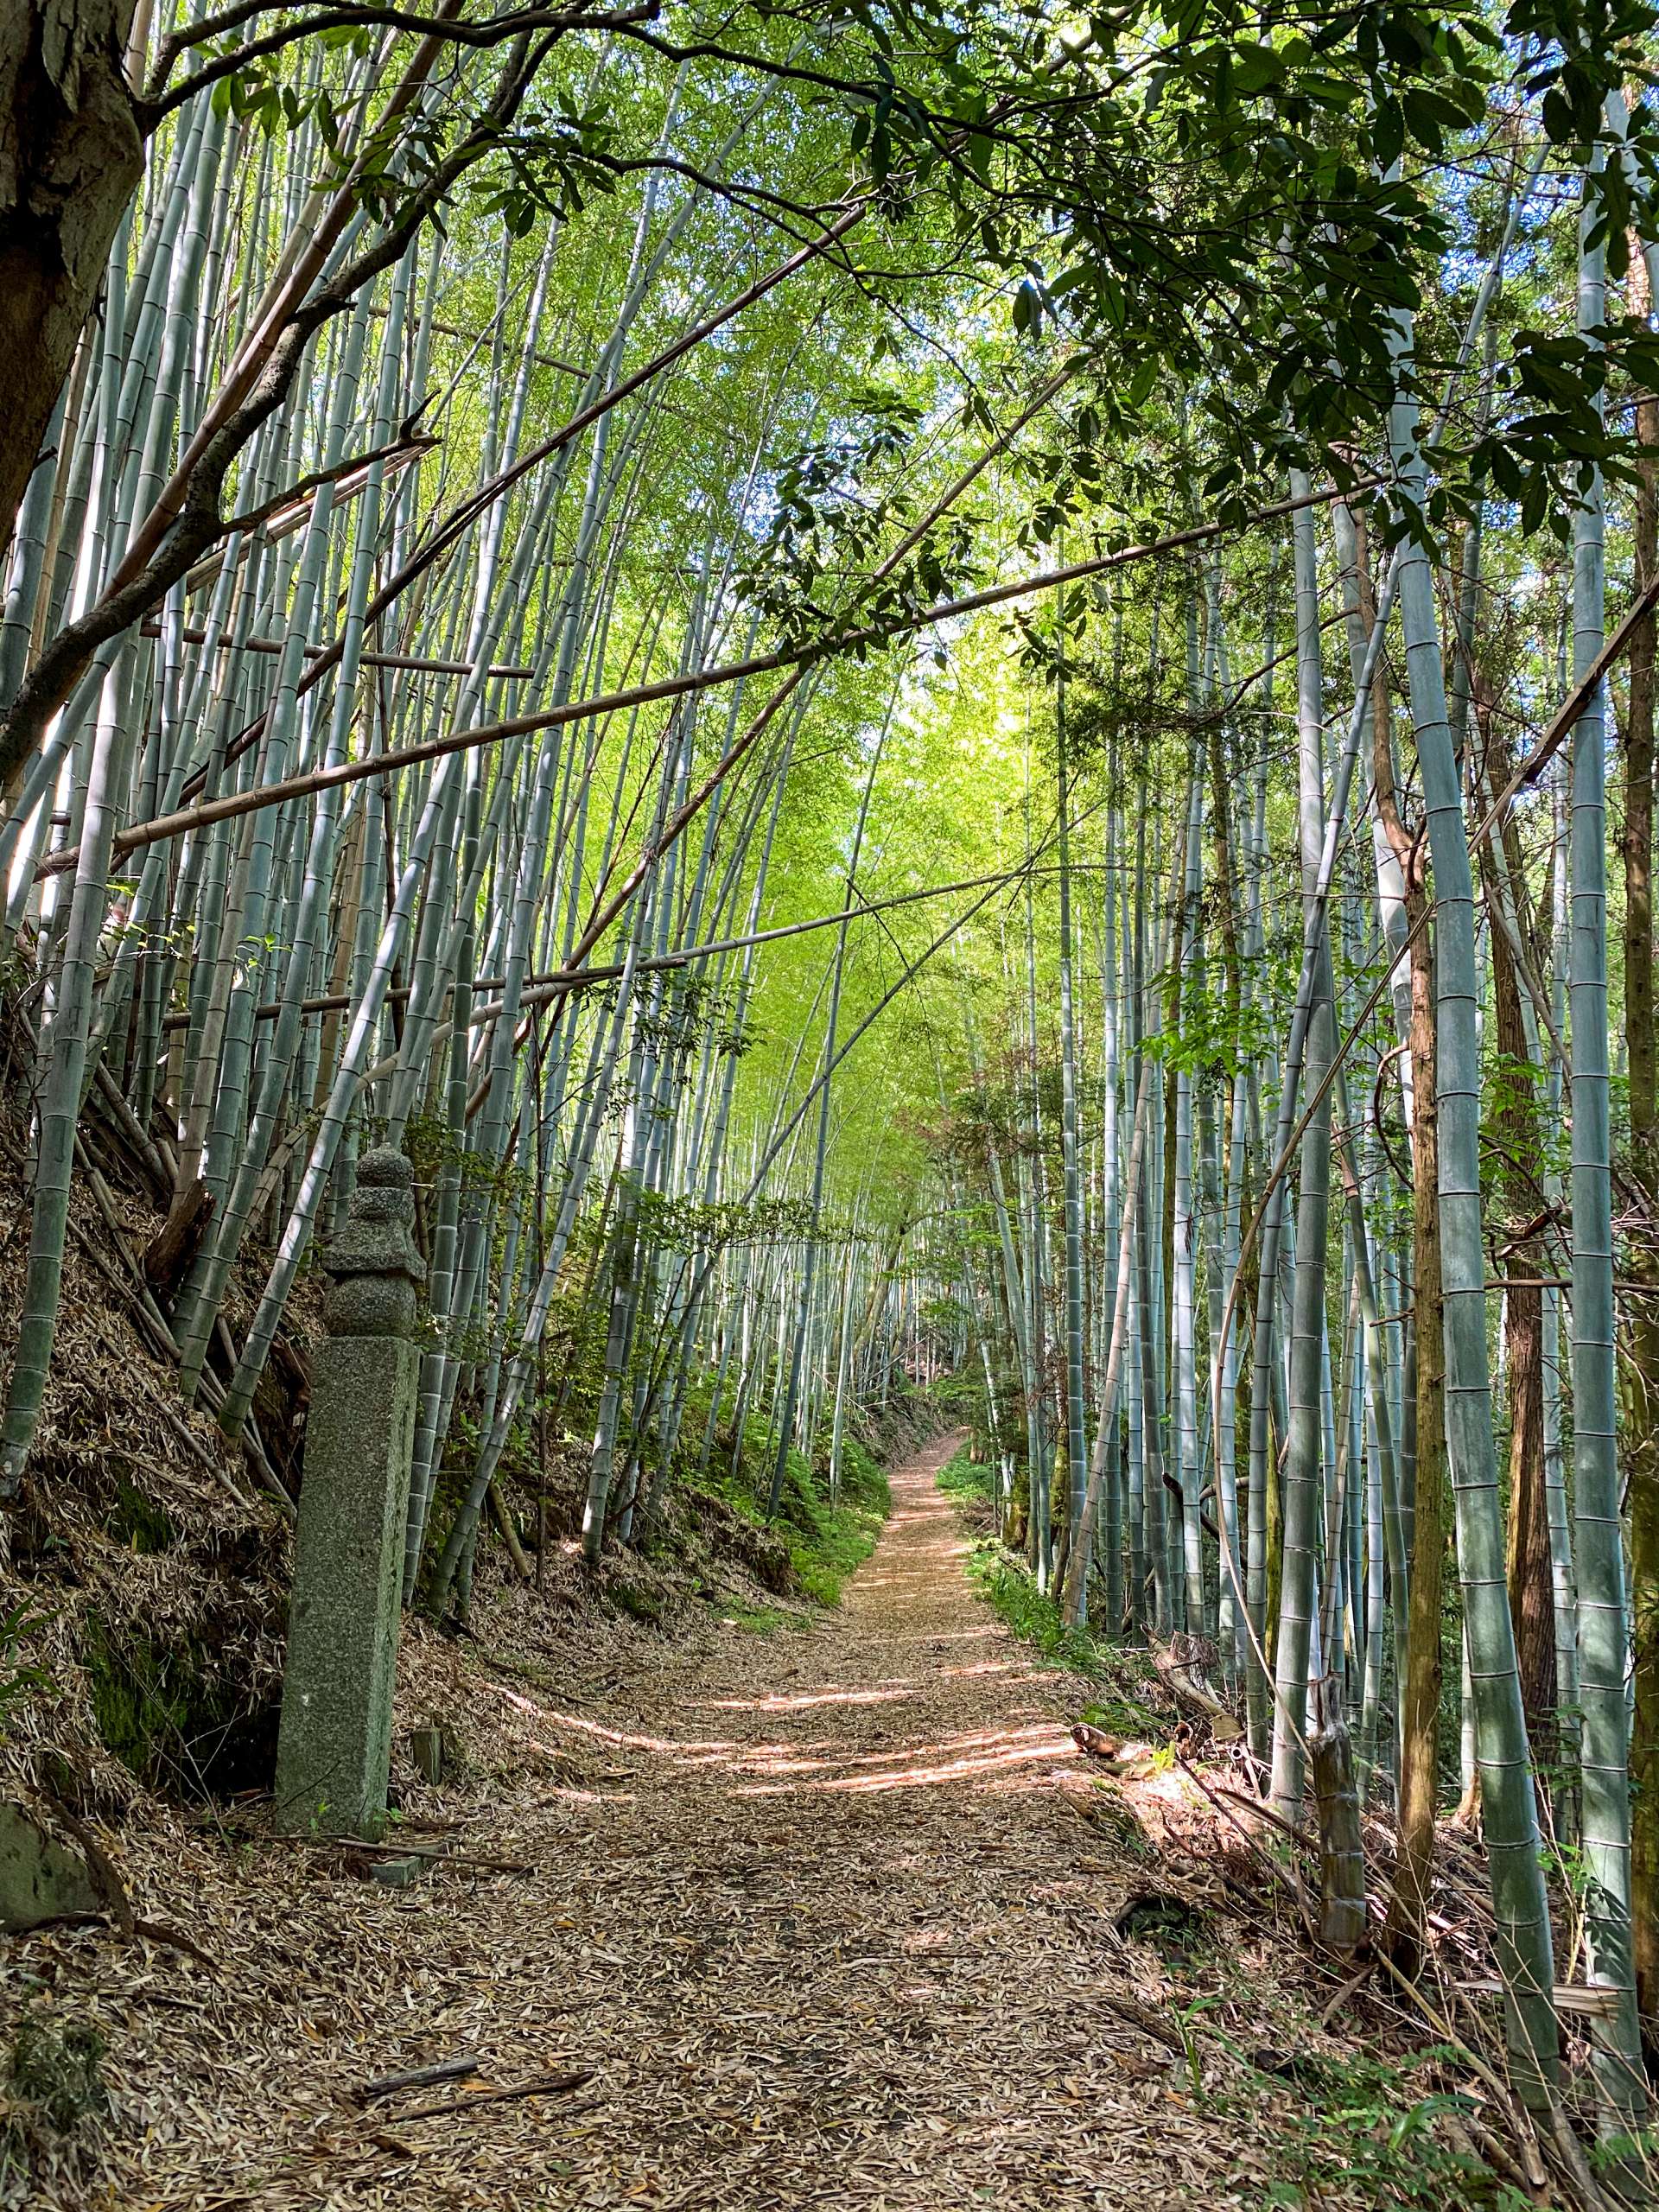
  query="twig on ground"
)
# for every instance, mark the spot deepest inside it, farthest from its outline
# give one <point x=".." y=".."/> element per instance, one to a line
<point x="544" y="2085"/>
<point x="106" y="1880"/>
<point x="418" y="2077"/>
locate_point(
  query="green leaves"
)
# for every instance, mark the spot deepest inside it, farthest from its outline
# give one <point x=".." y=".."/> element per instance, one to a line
<point x="1027" y="309"/>
<point x="548" y="164"/>
<point x="832" y="522"/>
<point x="261" y="94"/>
<point x="1251" y="68"/>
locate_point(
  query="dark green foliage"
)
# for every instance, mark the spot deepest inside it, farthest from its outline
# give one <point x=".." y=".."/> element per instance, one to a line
<point x="960" y="1396"/>
<point x="174" y="1717"/>
<point x="966" y="1478"/>
<point x="687" y="1225"/>
<point x="1166" y="1922"/>
<point x="834" y="1539"/>
<point x="52" y="2087"/>
<point x="1352" y="2117"/>
<point x="138" y="1521"/>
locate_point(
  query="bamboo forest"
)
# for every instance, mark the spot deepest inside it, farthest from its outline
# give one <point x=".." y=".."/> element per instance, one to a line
<point x="828" y="1109"/>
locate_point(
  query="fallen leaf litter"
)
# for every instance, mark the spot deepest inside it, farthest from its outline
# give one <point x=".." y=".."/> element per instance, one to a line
<point x="814" y="1911"/>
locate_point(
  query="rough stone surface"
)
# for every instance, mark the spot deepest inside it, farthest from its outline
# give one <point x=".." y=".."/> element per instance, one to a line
<point x="397" y="1874"/>
<point x="334" y="1751"/>
<point x="41" y="1878"/>
<point x="376" y="1269"/>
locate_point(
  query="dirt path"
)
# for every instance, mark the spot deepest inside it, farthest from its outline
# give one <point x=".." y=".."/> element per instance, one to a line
<point x="821" y="1916"/>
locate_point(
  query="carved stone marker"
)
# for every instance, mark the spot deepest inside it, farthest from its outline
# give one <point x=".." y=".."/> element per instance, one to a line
<point x="334" y="1751"/>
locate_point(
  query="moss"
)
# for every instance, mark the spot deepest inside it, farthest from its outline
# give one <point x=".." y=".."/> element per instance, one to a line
<point x="643" y="1605"/>
<point x="52" y="2087"/>
<point x="755" y="1620"/>
<point x="825" y="1543"/>
<point x="169" y="1714"/>
<point x="56" y="2071"/>
<point x="132" y="1702"/>
<point x="138" y="1521"/>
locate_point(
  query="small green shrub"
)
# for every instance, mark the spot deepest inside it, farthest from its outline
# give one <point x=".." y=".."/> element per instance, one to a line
<point x="1033" y="1617"/>
<point x="56" y="2069"/>
<point x="1006" y="1582"/>
<point x="52" y="2087"/>
<point x="962" y="1477"/>
<point x="1355" y="2121"/>
<point x="643" y="1605"/>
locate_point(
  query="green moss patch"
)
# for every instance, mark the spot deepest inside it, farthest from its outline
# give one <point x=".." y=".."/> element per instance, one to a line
<point x="138" y="1521"/>
<point x="172" y="1715"/>
<point x="640" y="1604"/>
<point x="825" y="1540"/>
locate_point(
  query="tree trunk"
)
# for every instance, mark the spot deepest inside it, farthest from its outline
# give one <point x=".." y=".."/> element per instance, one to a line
<point x="1420" y="1719"/>
<point x="1604" y="1634"/>
<point x="70" y="158"/>
<point x="1532" y="1603"/>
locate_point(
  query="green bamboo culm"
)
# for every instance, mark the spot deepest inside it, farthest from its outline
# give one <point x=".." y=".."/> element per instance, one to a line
<point x="1603" y="1619"/>
<point x="1525" y="1951"/>
<point x="1076" y="1456"/>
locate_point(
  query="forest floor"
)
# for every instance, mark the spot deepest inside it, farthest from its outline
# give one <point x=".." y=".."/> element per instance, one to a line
<point x="821" y="1907"/>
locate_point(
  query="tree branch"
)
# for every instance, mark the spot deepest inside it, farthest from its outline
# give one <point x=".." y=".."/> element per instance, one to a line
<point x="494" y="30"/>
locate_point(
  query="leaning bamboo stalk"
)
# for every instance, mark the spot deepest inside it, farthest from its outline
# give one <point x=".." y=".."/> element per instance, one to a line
<point x="65" y="1056"/>
<point x="791" y="658"/>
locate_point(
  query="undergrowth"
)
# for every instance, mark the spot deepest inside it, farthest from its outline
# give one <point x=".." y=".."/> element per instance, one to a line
<point x="1358" y="2118"/>
<point x="174" y="1713"/>
<point x="1356" y="2125"/>
<point x="826" y="1541"/>
<point x="1006" y="1583"/>
<point x="52" y="2090"/>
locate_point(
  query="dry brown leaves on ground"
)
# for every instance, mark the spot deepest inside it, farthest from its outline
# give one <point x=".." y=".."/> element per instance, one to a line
<point x="814" y="1908"/>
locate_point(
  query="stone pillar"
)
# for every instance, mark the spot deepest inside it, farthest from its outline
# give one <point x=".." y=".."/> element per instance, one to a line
<point x="334" y="1750"/>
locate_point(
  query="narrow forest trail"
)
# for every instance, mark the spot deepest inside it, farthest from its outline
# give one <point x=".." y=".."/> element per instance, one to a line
<point x="823" y="1919"/>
